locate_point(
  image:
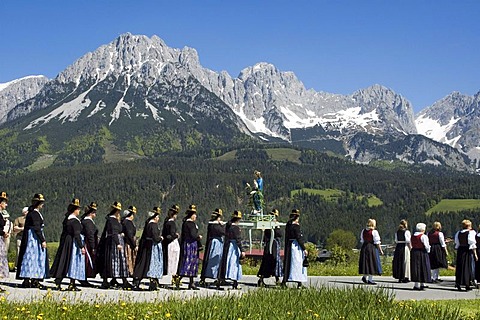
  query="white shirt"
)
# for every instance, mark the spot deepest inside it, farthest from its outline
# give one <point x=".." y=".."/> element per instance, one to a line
<point x="424" y="240"/>
<point x="375" y="234"/>
<point x="472" y="243"/>
<point x="408" y="237"/>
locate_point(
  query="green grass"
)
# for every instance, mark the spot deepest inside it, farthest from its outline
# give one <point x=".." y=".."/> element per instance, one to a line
<point x="284" y="154"/>
<point x="228" y="156"/>
<point x="329" y="194"/>
<point x="42" y="162"/>
<point x="454" y="205"/>
<point x="468" y="308"/>
<point x="311" y="303"/>
<point x="112" y="154"/>
<point x="373" y="201"/>
<point x="275" y="154"/>
<point x="333" y="194"/>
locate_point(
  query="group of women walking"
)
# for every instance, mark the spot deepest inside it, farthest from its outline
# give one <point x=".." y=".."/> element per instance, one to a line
<point x="419" y="257"/>
<point x="117" y="255"/>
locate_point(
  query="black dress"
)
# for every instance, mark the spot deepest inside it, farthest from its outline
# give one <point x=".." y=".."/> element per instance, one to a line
<point x="73" y="229"/>
<point x="271" y="265"/>
<point x="90" y="231"/>
<point x="401" y="258"/>
<point x="58" y="262"/>
<point x="477" y="263"/>
<point x="129" y="230"/>
<point x="150" y="237"/>
<point x="464" y="273"/>
<point x="188" y="263"/>
<point x="111" y="262"/>
<point x="213" y="255"/>
<point x="33" y="222"/>
<point x="437" y="255"/>
<point x="233" y="237"/>
<point x="169" y="234"/>
<point x="292" y="233"/>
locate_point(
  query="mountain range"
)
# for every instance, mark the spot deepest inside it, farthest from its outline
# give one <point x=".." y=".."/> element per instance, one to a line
<point x="141" y="96"/>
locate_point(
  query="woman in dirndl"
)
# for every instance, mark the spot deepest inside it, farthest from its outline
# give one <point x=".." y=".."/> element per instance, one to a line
<point x="466" y="245"/>
<point x="232" y="252"/>
<point x="271" y="265"/>
<point x="33" y="257"/>
<point x="129" y="235"/>
<point x="419" y="260"/>
<point x="295" y="252"/>
<point x="401" y="256"/>
<point x="190" y="240"/>
<point x="213" y="247"/>
<point x="438" y="251"/>
<point x="111" y="261"/>
<point x="171" y="247"/>
<point x="477" y="262"/>
<point x="90" y="232"/>
<point x="369" y="262"/>
<point x="71" y="255"/>
<point x="149" y="262"/>
<point x="4" y="270"/>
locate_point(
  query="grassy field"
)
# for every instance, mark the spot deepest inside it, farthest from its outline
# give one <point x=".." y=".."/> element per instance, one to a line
<point x="311" y="303"/>
<point x="42" y="162"/>
<point x="446" y="205"/>
<point x="284" y="154"/>
<point x="276" y="154"/>
<point x="333" y="194"/>
<point x="114" y="155"/>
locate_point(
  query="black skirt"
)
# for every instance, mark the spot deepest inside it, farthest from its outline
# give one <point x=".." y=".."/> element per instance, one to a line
<point x="438" y="257"/>
<point x="420" y="266"/>
<point x="464" y="270"/>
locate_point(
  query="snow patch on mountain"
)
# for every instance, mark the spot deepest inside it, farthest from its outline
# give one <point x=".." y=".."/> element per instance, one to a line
<point x="154" y="111"/>
<point x="66" y="112"/>
<point x="98" y="107"/>
<point x="433" y="129"/>
<point x="5" y="85"/>
<point x="121" y="105"/>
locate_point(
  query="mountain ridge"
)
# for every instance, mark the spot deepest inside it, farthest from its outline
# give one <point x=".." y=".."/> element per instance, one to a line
<point x="140" y="80"/>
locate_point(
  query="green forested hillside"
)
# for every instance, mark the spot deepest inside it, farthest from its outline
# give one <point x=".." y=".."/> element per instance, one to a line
<point x="211" y="183"/>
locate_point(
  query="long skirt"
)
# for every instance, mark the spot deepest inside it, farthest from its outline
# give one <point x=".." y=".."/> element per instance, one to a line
<point x="271" y="262"/>
<point x="401" y="262"/>
<point x="298" y="273"/>
<point x="420" y="266"/>
<point x="4" y="270"/>
<point x="438" y="257"/>
<point x="130" y="256"/>
<point x="173" y="257"/>
<point x="90" y="270"/>
<point x="115" y="262"/>
<point x="34" y="263"/>
<point x="212" y="265"/>
<point x="233" y="270"/>
<point x="188" y="266"/>
<point x="464" y="269"/>
<point x="76" y="269"/>
<point x="477" y="266"/>
<point x="156" y="262"/>
<point x="369" y="262"/>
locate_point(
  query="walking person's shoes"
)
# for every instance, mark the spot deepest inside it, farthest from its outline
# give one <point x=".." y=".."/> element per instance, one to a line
<point x="364" y="279"/>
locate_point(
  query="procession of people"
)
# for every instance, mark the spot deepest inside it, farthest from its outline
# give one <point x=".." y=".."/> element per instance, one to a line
<point x="419" y="257"/>
<point x="117" y="255"/>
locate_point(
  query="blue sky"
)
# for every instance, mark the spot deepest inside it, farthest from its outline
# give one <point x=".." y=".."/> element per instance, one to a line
<point x="422" y="50"/>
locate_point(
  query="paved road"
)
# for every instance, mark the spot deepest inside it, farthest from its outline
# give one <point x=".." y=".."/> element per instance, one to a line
<point x="402" y="291"/>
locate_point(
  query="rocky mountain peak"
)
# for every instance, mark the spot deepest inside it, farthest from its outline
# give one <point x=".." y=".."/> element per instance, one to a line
<point x="17" y="91"/>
